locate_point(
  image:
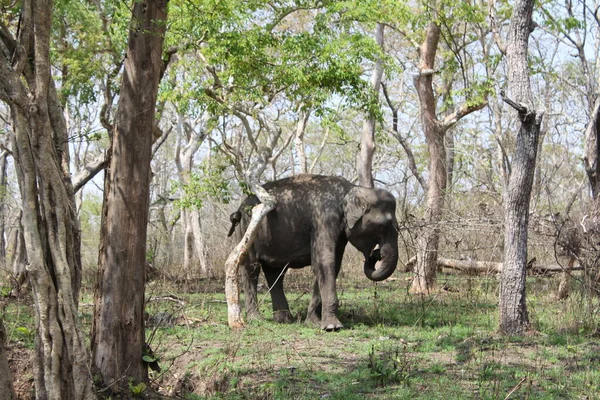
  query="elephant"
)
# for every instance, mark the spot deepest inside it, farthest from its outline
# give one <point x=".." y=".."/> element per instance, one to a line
<point x="315" y="216"/>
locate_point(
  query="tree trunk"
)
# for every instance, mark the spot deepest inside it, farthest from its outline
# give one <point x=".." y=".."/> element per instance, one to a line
<point x="199" y="246"/>
<point x="19" y="258"/>
<point x="118" y="329"/>
<point x="232" y="292"/>
<point x="367" y="142"/>
<point x="3" y="191"/>
<point x="188" y="244"/>
<point x="50" y="224"/>
<point x="6" y="385"/>
<point x="435" y="132"/>
<point x="514" y="317"/>
<point x="564" y="288"/>
<point x="194" y="247"/>
<point x="428" y="240"/>
<point x="299" y="141"/>
<point x="592" y="150"/>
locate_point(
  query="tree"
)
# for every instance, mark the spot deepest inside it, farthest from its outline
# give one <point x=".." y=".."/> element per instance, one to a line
<point x="50" y="224"/>
<point x="513" y="315"/>
<point x="435" y="130"/>
<point x="118" y="343"/>
<point x="194" y="132"/>
<point x="364" y="163"/>
<point x="6" y="386"/>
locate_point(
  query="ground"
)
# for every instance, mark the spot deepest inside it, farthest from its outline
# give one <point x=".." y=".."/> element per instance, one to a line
<point x="395" y="346"/>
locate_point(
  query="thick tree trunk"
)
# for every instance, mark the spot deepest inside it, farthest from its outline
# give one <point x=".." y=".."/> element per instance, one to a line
<point x="435" y="132"/>
<point x="428" y="240"/>
<point x="118" y="338"/>
<point x="367" y="142"/>
<point x="6" y="385"/>
<point x="513" y="314"/>
<point x="50" y="225"/>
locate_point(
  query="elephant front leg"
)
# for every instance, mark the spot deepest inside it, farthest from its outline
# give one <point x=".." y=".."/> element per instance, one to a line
<point x="326" y="271"/>
<point x="281" y="308"/>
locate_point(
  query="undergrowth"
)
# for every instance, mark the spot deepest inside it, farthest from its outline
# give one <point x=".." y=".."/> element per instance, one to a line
<point x="395" y="346"/>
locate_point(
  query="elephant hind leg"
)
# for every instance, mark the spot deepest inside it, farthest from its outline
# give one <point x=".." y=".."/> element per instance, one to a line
<point x="314" y="307"/>
<point x="252" y="271"/>
<point x="281" y="308"/>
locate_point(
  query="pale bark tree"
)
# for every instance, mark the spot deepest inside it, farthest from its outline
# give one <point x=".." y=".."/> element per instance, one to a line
<point x="299" y="144"/>
<point x="367" y="139"/>
<point x="184" y="160"/>
<point x="513" y="315"/>
<point x="50" y="225"/>
<point x="435" y="131"/>
<point x="118" y="340"/>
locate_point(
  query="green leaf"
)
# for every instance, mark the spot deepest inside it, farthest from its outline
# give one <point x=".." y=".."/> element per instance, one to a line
<point x="138" y="389"/>
<point x="148" y="359"/>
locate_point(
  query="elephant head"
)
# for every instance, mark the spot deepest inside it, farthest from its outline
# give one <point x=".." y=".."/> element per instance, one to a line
<point x="370" y="221"/>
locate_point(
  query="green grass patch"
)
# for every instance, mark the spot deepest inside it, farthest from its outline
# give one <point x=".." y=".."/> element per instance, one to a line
<point x="395" y="346"/>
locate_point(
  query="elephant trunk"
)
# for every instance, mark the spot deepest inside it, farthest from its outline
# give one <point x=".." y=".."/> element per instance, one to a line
<point x="388" y="255"/>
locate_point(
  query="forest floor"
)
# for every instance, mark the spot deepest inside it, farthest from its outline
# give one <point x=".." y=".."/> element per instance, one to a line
<point x="395" y="346"/>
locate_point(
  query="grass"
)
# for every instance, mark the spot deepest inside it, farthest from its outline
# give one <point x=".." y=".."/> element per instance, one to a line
<point x="395" y="346"/>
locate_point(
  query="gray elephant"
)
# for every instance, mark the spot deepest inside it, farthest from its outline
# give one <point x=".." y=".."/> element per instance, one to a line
<point x="314" y="218"/>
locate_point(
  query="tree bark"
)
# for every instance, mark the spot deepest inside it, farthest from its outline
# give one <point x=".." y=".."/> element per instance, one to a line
<point x="50" y="224"/>
<point x="19" y="258"/>
<point x="367" y="142"/>
<point x="435" y="132"/>
<point x="299" y="140"/>
<point x="592" y="150"/>
<point x="184" y="160"/>
<point x="3" y="216"/>
<point x="118" y="339"/>
<point x="514" y="318"/>
<point x="6" y="385"/>
<point x="428" y="240"/>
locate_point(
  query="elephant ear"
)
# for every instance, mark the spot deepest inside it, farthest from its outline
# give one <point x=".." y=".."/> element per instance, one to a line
<point x="356" y="203"/>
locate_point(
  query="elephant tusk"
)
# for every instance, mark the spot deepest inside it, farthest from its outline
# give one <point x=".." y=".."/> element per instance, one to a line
<point x="375" y="255"/>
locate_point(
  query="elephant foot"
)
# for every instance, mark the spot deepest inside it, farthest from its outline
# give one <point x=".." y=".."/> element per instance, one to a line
<point x="331" y="325"/>
<point x="313" y="319"/>
<point x="283" y="317"/>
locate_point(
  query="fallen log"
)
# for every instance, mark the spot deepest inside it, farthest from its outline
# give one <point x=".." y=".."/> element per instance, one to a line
<point x="490" y="266"/>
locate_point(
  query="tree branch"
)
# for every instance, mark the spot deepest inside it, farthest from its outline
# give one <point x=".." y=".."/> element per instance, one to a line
<point x="462" y="112"/>
<point x="89" y="171"/>
<point x="520" y="107"/>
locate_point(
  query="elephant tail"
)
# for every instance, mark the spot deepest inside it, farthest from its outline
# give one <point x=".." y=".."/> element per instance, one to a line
<point x="235" y="219"/>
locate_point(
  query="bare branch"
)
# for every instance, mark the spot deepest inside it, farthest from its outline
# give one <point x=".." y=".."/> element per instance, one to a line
<point x="494" y="26"/>
<point x="89" y="171"/>
<point x="462" y="112"/>
<point x="403" y="142"/>
<point x="520" y="107"/>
